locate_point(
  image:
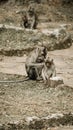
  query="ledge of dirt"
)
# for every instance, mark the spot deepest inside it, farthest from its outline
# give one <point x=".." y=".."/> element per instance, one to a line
<point x="17" y="41"/>
<point x="34" y="123"/>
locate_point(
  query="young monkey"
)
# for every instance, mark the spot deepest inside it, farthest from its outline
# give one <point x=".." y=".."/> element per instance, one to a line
<point x="48" y="70"/>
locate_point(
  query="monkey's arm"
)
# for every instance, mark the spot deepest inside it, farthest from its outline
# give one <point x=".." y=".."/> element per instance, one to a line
<point x="36" y="64"/>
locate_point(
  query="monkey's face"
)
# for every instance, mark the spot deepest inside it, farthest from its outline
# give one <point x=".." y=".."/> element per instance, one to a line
<point x="40" y="59"/>
<point x="48" y="63"/>
<point x="42" y="51"/>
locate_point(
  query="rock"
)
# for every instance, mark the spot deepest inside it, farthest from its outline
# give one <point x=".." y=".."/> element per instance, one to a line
<point x="14" y="125"/>
<point x="31" y="119"/>
<point x="55" y="32"/>
<point x="4" y="26"/>
<point x="34" y="122"/>
<point x="66" y="26"/>
<point x="37" y="123"/>
<point x="58" y="38"/>
<point x="56" y="116"/>
<point x="55" y="81"/>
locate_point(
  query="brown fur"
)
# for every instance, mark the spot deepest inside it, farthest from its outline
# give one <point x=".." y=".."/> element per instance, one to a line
<point x="30" y="19"/>
<point x="35" y="62"/>
<point x="48" y="69"/>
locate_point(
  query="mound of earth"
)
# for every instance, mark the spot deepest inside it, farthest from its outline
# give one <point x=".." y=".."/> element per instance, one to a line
<point x="15" y="40"/>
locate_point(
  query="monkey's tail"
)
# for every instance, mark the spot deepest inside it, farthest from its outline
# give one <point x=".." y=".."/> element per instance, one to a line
<point x="14" y="81"/>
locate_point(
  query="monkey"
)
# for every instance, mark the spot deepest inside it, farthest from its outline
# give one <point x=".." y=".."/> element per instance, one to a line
<point x="34" y="62"/>
<point x="48" y="70"/>
<point x="32" y="18"/>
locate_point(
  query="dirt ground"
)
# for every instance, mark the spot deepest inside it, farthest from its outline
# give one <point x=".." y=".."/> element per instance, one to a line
<point x="33" y="98"/>
<point x="17" y="99"/>
<point x="63" y="60"/>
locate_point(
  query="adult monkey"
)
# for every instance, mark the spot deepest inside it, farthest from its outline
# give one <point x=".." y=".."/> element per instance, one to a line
<point x="35" y="61"/>
<point x="32" y="18"/>
<point x="34" y="64"/>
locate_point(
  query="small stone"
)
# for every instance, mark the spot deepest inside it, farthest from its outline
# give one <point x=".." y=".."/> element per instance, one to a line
<point x="48" y="129"/>
<point x="55" y="81"/>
